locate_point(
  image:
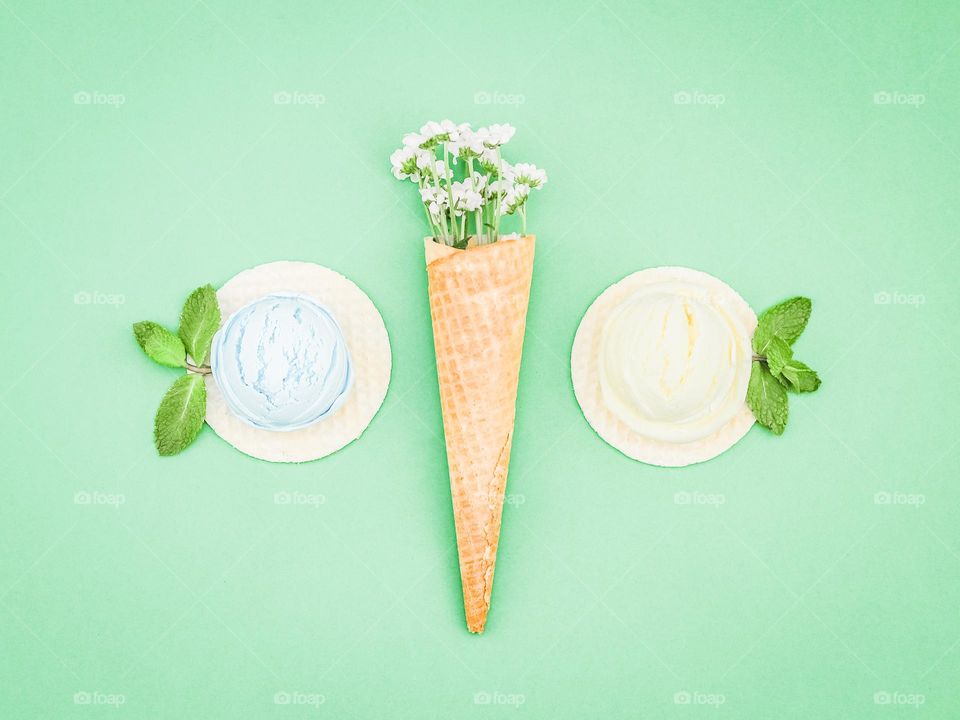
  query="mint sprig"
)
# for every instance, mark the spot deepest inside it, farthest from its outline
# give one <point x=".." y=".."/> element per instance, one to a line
<point x="785" y="321"/>
<point x="184" y="406"/>
<point x="199" y="321"/>
<point x="160" y="344"/>
<point x="800" y="377"/>
<point x="180" y="415"/>
<point x="778" y="355"/>
<point x="775" y="371"/>
<point x="767" y="399"/>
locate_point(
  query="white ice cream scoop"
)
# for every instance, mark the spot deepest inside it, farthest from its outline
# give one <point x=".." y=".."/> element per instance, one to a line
<point x="674" y="361"/>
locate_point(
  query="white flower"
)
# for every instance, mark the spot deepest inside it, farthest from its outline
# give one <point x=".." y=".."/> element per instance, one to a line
<point x="430" y="166"/>
<point x="413" y="140"/>
<point x="430" y="128"/>
<point x="515" y="197"/>
<point x="447" y="127"/>
<point x="465" y="197"/>
<point x="430" y="193"/>
<point x="438" y="132"/>
<point x="490" y="164"/>
<point x="496" y="135"/>
<point x="498" y="187"/>
<point x="504" y="183"/>
<point x="488" y="161"/>
<point x="479" y="181"/>
<point x="404" y="164"/>
<point x="491" y="185"/>
<point x="434" y="199"/>
<point x="472" y="201"/>
<point x="467" y="144"/>
<point x="530" y="175"/>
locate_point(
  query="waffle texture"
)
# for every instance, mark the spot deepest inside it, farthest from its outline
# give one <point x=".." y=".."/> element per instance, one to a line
<point x="478" y="303"/>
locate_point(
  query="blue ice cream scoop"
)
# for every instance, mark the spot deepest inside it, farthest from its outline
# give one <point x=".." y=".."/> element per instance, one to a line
<point x="282" y="363"/>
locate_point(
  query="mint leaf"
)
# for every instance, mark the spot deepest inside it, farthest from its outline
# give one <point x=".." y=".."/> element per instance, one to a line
<point x="199" y="321"/>
<point x="160" y="344"/>
<point x="180" y="415"/>
<point x="778" y="355"/>
<point x="767" y="399"/>
<point x="800" y="377"/>
<point x="785" y="321"/>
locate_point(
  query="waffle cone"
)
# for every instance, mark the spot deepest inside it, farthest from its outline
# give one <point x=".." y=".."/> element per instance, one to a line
<point x="478" y="302"/>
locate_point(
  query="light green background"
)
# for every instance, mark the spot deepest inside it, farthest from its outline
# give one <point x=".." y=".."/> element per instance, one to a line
<point x="785" y="587"/>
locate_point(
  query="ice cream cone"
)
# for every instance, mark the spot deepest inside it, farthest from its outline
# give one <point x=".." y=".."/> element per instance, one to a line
<point x="478" y="302"/>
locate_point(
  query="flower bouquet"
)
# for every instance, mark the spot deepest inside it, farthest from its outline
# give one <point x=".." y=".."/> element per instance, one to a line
<point x="479" y="285"/>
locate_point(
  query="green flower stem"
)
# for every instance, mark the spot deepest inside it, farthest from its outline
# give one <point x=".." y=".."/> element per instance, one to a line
<point x="483" y="217"/>
<point x="453" y="219"/>
<point x="476" y="214"/>
<point x="496" y="222"/>
<point x="199" y="369"/>
<point x="444" y="234"/>
<point x="426" y="211"/>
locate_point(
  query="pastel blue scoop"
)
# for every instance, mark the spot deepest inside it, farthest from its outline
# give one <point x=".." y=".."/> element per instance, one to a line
<point x="282" y="363"/>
